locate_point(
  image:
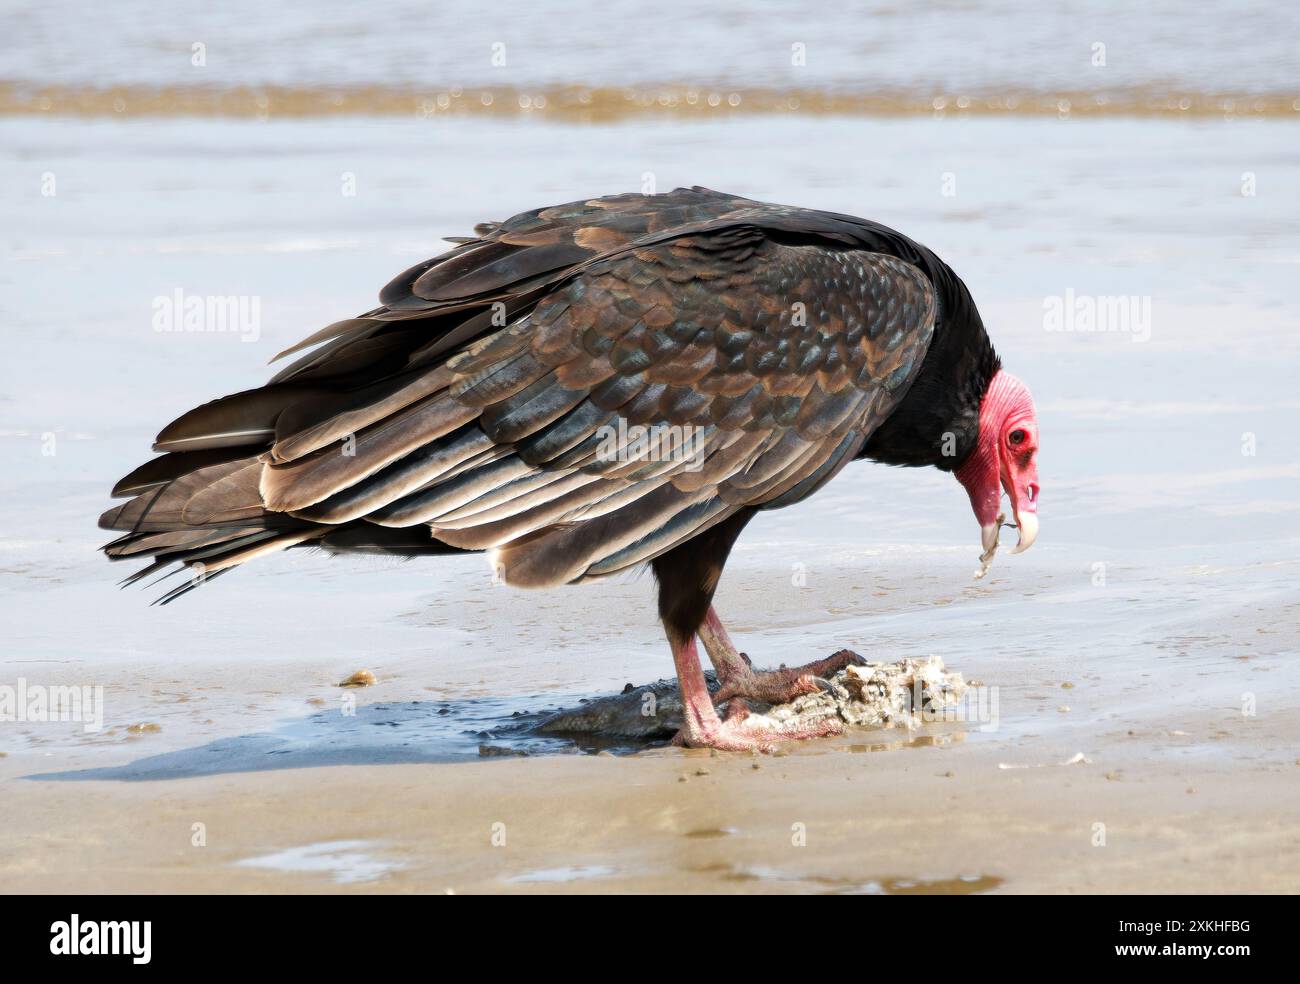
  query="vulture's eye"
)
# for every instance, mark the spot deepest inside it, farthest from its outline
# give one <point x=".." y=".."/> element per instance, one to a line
<point x="1016" y="437"/>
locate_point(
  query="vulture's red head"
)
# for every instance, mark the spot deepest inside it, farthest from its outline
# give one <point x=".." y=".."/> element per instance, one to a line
<point x="1005" y="457"/>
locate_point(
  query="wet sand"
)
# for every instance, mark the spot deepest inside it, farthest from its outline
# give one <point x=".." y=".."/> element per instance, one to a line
<point x="407" y="795"/>
<point x="849" y="815"/>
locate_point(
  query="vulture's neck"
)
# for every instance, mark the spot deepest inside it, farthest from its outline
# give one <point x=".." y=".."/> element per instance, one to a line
<point x="937" y="422"/>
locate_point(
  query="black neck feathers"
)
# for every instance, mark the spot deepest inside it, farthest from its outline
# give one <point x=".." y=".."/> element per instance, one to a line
<point x="937" y="422"/>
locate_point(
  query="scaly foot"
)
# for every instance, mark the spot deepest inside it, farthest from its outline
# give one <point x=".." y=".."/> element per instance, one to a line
<point x="738" y="678"/>
<point x="702" y="728"/>
<point x="783" y="685"/>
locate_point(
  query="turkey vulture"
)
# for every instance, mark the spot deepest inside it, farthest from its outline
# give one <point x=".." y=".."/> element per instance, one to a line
<point x="595" y="386"/>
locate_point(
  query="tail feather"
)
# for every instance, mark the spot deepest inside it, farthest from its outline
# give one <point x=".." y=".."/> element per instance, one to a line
<point x="162" y="509"/>
<point x="159" y="471"/>
<point x="168" y="525"/>
<point x="241" y="419"/>
<point x="135" y="544"/>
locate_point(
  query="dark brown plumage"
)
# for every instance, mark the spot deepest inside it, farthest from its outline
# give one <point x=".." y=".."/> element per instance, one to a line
<point x="474" y="409"/>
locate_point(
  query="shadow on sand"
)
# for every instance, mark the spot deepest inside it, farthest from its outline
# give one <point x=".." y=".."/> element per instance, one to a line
<point x="375" y="734"/>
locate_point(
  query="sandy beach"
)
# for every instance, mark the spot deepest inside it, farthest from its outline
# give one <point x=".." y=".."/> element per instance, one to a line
<point x="869" y="813"/>
<point x="1145" y="655"/>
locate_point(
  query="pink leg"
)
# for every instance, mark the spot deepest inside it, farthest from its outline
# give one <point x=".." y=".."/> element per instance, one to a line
<point x="738" y="733"/>
<point x="739" y="679"/>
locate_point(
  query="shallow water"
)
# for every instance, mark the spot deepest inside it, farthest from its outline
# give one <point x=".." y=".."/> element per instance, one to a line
<point x="347" y="862"/>
<point x="1163" y="584"/>
<point x="957" y="45"/>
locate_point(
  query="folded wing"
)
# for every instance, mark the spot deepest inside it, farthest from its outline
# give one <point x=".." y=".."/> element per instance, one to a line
<point x="577" y="393"/>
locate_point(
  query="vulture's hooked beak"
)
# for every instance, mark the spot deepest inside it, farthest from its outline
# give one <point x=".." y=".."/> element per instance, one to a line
<point x="1024" y="506"/>
<point x="985" y="485"/>
<point x="1024" y="509"/>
